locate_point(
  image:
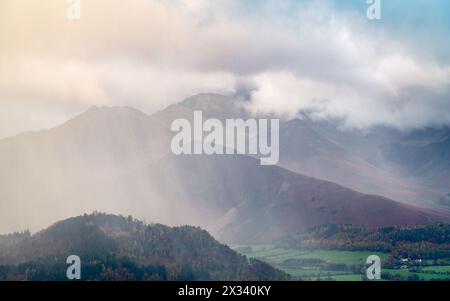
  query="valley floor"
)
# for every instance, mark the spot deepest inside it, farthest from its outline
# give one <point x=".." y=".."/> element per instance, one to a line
<point x="340" y="265"/>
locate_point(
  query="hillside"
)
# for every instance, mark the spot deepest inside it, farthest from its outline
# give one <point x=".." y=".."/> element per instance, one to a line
<point x="118" y="248"/>
<point x="418" y="158"/>
<point x="417" y="242"/>
<point x="247" y="202"/>
<point x="38" y="169"/>
<point x="321" y="150"/>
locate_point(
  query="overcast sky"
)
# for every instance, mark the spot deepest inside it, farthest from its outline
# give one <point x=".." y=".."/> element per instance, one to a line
<point x="323" y="57"/>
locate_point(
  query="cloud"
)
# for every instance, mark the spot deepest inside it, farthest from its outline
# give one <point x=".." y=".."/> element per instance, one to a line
<point x="150" y="53"/>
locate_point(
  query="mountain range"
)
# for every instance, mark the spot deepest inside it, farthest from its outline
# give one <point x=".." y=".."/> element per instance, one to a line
<point x="118" y="159"/>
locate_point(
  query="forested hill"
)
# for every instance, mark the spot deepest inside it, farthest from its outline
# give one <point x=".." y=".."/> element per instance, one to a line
<point x="119" y="248"/>
<point x="416" y="242"/>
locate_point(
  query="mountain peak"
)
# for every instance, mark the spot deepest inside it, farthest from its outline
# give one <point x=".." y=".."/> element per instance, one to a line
<point x="112" y="110"/>
<point x="97" y="113"/>
<point x="206" y="99"/>
<point x="216" y="105"/>
<point x="102" y="119"/>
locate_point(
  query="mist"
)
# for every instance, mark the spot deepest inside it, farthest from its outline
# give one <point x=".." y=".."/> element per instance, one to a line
<point x="292" y="57"/>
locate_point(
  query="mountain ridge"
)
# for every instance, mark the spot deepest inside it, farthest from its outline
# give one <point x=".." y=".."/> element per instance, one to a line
<point x="74" y="167"/>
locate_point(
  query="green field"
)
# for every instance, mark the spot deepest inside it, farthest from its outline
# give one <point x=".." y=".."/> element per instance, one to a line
<point x="431" y="273"/>
<point x="278" y="255"/>
<point x="438" y="269"/>
<point x="348" y="265"/>
<point x="348" y="277"/>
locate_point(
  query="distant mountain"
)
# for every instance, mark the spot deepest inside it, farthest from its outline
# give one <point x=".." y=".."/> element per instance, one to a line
<point x="118" y="248"/>
<point x="425" y="154"/>
<point x="119" y="160"/>
<point x="306" y="150"/>
<point x="242" y="201"/>
<point x="419" y="156"/>
<point x="52" y="168"/>
<point x="319" y="149"/>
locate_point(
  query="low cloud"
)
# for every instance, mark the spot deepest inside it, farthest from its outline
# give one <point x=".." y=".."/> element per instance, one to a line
<point x="149" y="54"/>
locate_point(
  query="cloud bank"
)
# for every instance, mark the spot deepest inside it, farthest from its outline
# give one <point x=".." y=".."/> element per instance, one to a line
<point x="148" y="54"/>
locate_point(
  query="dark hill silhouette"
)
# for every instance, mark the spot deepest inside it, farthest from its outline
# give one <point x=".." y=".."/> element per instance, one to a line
<point x="117" y="248"/>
